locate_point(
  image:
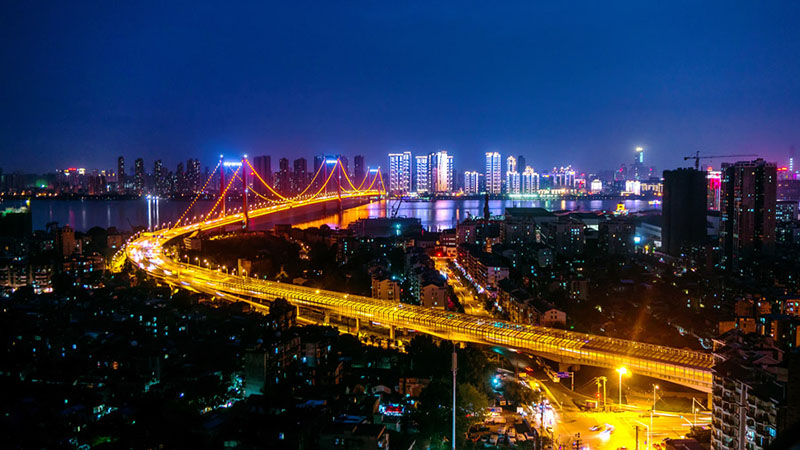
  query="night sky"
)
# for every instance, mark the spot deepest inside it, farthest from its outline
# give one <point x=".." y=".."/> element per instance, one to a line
<point x="584" y="84"/>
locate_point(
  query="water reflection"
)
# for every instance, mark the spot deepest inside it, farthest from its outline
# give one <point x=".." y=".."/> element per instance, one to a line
<point x="434" y="215"/>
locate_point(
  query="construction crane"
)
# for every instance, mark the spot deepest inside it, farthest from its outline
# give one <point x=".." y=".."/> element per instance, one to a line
<point x="697" y="157"/>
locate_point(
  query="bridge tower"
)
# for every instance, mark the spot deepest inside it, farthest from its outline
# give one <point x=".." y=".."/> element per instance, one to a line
<point x="222" y="183"/>
<point x="339" y="187"/>
<point x="244" y="192"/>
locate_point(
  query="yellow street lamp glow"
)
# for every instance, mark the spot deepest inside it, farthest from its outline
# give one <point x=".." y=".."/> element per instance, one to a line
<point x="622" y="370"/>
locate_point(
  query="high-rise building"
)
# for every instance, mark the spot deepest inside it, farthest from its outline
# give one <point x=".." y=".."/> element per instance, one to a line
<point x="530" y="181"/>
<point x="747" y="224"/>
<point x="193" y="175"/>
<point x="683" y="210"/>
<point x="471" y="182"/>
<point x="300" y="175"/>
<point x="284" y="177"/>
<point x="399" y="173"/>
<point x="319" y="161"/>
<point x="714" y="178"/>
<point x="359" y="169"/>
<point x="639" y="171"/>
<point x="511" y="164"/>
<point x="422" y="183"/>
<point x="121" y="175"/>
<point x="440" y="169"/>
<point x="138" y="176"/>
<point x="494" y="181"/>
<point x="521" y="163"/>
<point x="513" y="182"/>
<point x="564" y="177"/>
<point x="159" y="177"/>
<point x="263" y="165"/>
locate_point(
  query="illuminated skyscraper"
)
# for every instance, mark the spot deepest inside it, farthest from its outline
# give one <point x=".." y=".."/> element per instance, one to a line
<point x="138" y="176"/>
<point x="513" y="182"/>
<point x="639" y="171"/>
<point x="399" y="173"/>
<point x="530" y="181"/>
<point x="440" y="168"/>
<point x="121" y="175"/>
<point x="714" y="180"/>
<point x="159" y="177"/>
<point x="493" y="173"/>
<point x="422" y="182"/>
<point x="471" y="182"/>
<point x="511" y="164"/>
<point x="193" y="175"/>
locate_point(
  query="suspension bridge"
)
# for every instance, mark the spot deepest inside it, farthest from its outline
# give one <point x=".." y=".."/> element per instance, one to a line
<point x="331" y="183"/>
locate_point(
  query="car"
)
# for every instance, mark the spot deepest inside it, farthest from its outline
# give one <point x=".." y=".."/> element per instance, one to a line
<point x="595" y="428"/>
<point x="512" y="432"/>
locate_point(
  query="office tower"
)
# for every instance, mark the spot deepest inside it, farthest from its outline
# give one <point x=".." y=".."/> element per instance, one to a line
<point x="359" y="170"/>
<point x="511" y="164"/>
<point x="440" y="169"/>
<point x="399" y="173"/>
<point x="263" y="166"/>
<point x="138" y="176"/>
<point x="493" y="173"/>
<point x="471" y="182"/>
<point x="521" y="163"/>
<point x="714" y="178"/>
<point x="530" y="181"/>
<point x="300" y="175"/>
<point x="791" y="159"/>
<point x="121" y="175"/>
<point x="284" y="177"/>
<point x="422" y="184"/>
<point x="683" y="210"/>
<point x="159" y="177"/>
<point x="747" y="225"/>
<point x="638" y="169"/>
<point x="193" y="176"/>
<point x="596" y="186"/>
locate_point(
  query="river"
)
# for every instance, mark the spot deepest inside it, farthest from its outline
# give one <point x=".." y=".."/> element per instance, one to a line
<point x="434" y="215"/>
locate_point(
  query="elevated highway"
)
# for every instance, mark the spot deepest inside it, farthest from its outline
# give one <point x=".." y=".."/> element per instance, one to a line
<point x="146" y="251"/>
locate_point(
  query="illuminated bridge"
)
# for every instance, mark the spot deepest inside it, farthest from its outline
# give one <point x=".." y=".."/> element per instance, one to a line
<point x="147" y="251"/>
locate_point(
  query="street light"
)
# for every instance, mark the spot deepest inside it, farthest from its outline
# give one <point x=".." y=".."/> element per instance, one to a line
<point x="622" y="371"/>
<point x="652" y="412"/>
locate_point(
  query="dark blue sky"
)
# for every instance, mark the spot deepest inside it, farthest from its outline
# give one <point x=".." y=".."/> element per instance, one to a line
<point x="582" y="84"/>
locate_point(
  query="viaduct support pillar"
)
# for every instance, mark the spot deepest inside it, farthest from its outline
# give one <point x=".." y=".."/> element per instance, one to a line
<point x="358" y="325"/>
<point x="391" y="332"/>
<point x="327" y="319"/>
